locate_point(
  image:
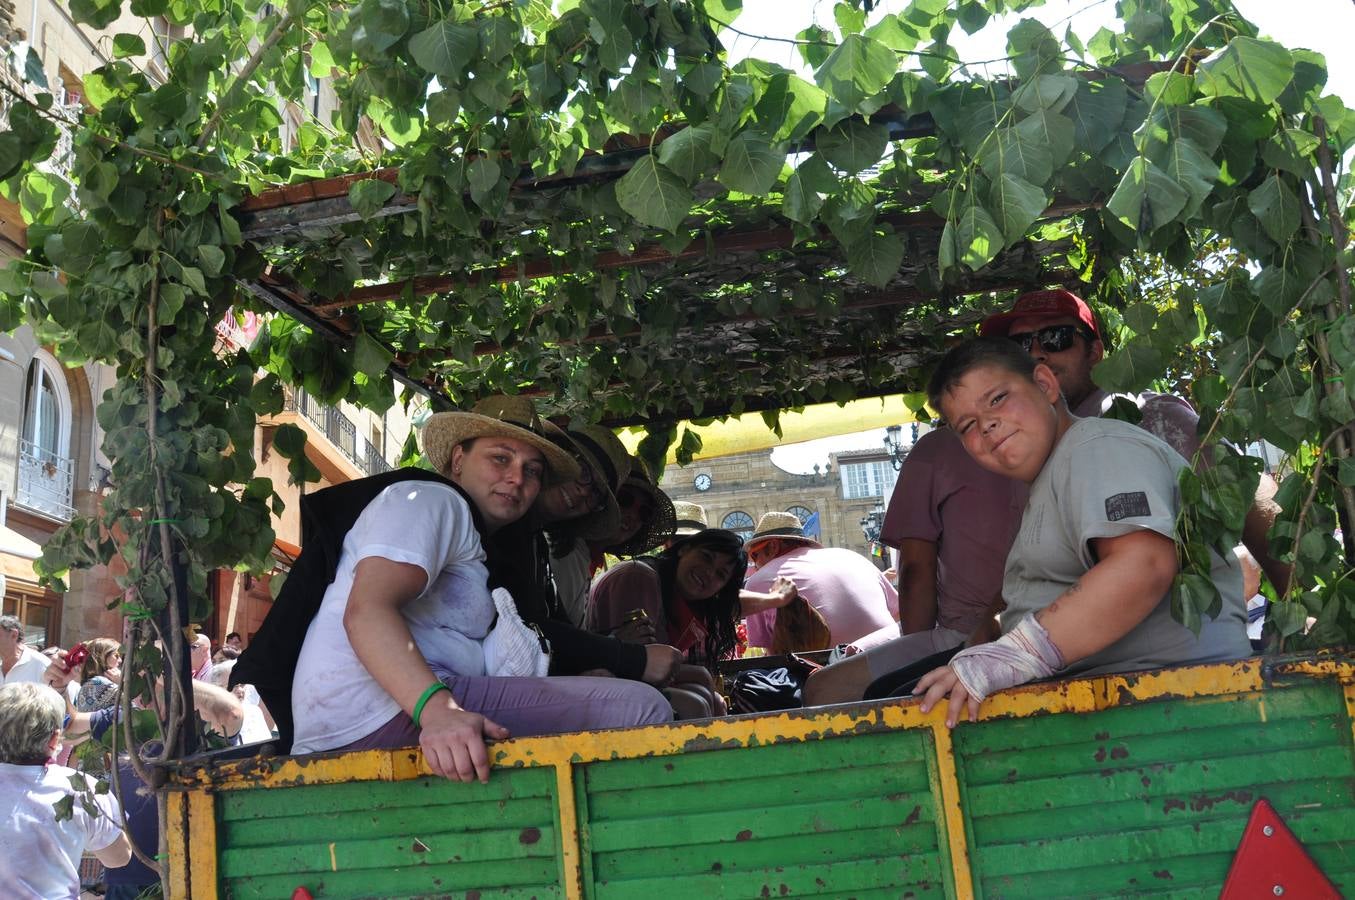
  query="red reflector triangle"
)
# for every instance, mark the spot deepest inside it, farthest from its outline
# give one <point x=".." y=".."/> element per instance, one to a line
<point x="1270" y="863"/>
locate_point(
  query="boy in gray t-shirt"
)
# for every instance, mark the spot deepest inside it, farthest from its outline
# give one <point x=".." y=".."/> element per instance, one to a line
<point x="1088" y="581"/>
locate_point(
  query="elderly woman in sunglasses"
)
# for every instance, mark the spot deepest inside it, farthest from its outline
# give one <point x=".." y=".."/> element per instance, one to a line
<point x="558" y="534"/>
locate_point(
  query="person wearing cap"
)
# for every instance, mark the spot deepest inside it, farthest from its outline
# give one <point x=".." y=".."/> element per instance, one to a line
<point x="1058" y="329"/>
<point x="851" y="594"/>
<point x="689" y="595"/>
<point x="410" y="596"/>
<point x="527" y="557"/>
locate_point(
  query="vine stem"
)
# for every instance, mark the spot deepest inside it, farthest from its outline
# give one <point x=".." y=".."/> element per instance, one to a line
<point x="247" y="72"/>
<point x="1308" y="504"/>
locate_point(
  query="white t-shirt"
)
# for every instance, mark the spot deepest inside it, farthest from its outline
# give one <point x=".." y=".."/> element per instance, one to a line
<point x="41" y="856"/>
<point x="335" y="701"/>
<point x="30" y="666"/>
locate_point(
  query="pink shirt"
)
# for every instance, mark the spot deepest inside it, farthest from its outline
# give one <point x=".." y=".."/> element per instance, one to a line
<point x="971" y="514"/>
<point x="851" y="594"/>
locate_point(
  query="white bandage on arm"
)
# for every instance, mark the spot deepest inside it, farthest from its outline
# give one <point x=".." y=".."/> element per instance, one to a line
<point x="1023" y="654"/>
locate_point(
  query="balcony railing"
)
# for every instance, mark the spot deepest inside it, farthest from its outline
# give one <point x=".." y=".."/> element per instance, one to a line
<point x="46" y="482"/>
<point x="339" y="430"/>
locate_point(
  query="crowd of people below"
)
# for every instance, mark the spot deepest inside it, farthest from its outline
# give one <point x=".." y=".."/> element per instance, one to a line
<point x="474" y="600"/>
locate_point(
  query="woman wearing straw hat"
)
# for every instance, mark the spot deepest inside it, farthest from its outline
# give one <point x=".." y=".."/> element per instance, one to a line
<point x="524" y="558"/>
<point x="411" y="598"/>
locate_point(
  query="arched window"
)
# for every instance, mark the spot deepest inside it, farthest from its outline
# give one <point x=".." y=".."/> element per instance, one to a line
<point x="46" y="471"/>
<point x="740" y="523"/>
<point x="800" y="512"/>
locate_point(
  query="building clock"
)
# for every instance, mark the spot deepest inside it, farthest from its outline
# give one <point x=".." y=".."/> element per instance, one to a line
<point x="702" y="482"/>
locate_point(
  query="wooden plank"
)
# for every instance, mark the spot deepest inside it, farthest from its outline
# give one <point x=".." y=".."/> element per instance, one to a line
<point x="948" y="791"/>
<point x="416" y="849"/>
<point x="1238" y="740"/>
<point x="1112" y="810"/>
<point x="1303" y="702"/>
<point x="761" y="854"/>
<point x="1096" y="849"/>
<point x="362" y="794"/>
<point x="757" y="789"/>
<point x="567" y="827"/>
<point x="202" y="832"/>
<point x="918" y="876"/>
<point x="1156" y="782"/>
<point x="518" y="879"/>
<point x="778" y="759"/>
<point x="1075" y="880"/>
<point x="747" y="824"/>
<point x="386" y="822"/>
<point x="178" y="841"/>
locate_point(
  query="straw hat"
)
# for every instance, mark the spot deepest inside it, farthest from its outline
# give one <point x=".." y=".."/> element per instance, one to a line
<point x="691" y="518"/>
<point x="658" y="529"/>
<point x="604" y="453"/>
<point x="783" y="525"/>
<point x="497" y="416"/>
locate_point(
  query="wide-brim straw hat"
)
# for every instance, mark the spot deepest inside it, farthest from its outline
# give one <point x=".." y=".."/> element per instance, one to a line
<point x="691" y="518"/>
<point x="610" y="461"/>
<point x="496" y="416"/>
<point x="781" y="525"/>
<point x="658" y="529"/>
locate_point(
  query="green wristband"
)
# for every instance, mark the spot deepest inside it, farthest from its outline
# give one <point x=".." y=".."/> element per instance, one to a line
<point x="427" y="695"/>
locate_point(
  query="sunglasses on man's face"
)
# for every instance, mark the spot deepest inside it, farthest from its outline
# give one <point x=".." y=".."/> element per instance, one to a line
<point x="1053" y="339"/>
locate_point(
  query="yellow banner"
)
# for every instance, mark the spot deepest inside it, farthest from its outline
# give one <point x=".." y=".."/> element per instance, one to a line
<point x="745" y="433"/>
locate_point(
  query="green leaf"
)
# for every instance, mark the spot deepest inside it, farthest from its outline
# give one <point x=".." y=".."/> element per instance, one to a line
<point x="751" y="164"/>
<point x="369" y="195"/>
<point x="876" y="257"/>
<point x="1195" y="172"/>
<point x="1147" y="198"/>
<point x="859" y="68"/>
<point x="1016" y="152"/>
<point x="806" y="189"/>
<point x="171" y="300"/>
<point x="1016" y="204"/>
<point x="192" y="277"/>
<point x="1170" y="88"/>
<point x="816" y="45"/>
<point x="445" y="48"/>
<point x="1193" y="595"/>
<point x="724" y="12"/>
<point x="977" y="237"/>
<point x="1133" y="367"/>
<point x="212" y="259"/>
<point x="125" y="45"/>
<point x="483" y="176"/>
<point x="1276" y="206"/>
<point x="1249" y="68"/>
<point x="98" y="14"/>
<point x="789" y="108"/>
<point x="289" y="440"/>
<point x="654" y="195"/>
<point x="1050" y="129"/>
<point x="369" y="356"/>
<point x="1051" y="92"/>
<point x="852" y="145"/>
<point x="379" y="24"/>
<point x="687" y="153"/>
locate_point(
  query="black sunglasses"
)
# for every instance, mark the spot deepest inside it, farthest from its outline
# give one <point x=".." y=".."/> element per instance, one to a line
<point x="1053" y="338"/>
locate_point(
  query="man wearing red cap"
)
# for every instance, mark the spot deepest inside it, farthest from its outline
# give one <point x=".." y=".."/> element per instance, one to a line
<point x="953" y="521"/>
<point x="1058" y="329"/>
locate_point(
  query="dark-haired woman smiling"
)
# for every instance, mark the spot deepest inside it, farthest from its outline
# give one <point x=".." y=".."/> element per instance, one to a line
<point x="689" y="596"/>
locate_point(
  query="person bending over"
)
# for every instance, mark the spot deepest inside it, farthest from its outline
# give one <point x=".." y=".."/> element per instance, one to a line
<point x="1088" y="580"/>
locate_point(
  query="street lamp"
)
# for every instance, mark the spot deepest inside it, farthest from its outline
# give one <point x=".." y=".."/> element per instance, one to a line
<point x="894" y="445"/>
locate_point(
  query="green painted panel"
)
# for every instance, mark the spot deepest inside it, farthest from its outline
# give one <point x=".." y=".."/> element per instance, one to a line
<point x="518" y="879"/>
<point x="743" y="824"/>
<point x="1151" y="749"/>
<point x="388" y="822"/>
<point x="712" y="764"/>
<point x="371" y="795"/>
<point x="1157" y="781"/>
<point x="420" y="848"/>
<point x="904" y="876"/>
<point x="1157" y="717"/>
<point x="1151" y="799"/>
<point x="919" y="841"/>
<point x="752" y="787"/>
<point x="819" y="817"/>
<point x="425" y="837"/>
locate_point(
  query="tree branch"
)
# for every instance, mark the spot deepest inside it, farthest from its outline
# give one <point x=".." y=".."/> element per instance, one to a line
<point x="242" y="79"/>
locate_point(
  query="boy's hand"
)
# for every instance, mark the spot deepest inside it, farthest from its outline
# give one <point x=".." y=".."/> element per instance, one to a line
<point x="943" y="682"/>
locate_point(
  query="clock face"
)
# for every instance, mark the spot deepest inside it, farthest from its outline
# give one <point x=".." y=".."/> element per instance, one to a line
<point x="702" y="482"/>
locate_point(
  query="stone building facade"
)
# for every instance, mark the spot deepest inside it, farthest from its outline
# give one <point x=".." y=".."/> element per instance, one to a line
<point x="736" y="490"/>
<point x="51" y="468"/>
